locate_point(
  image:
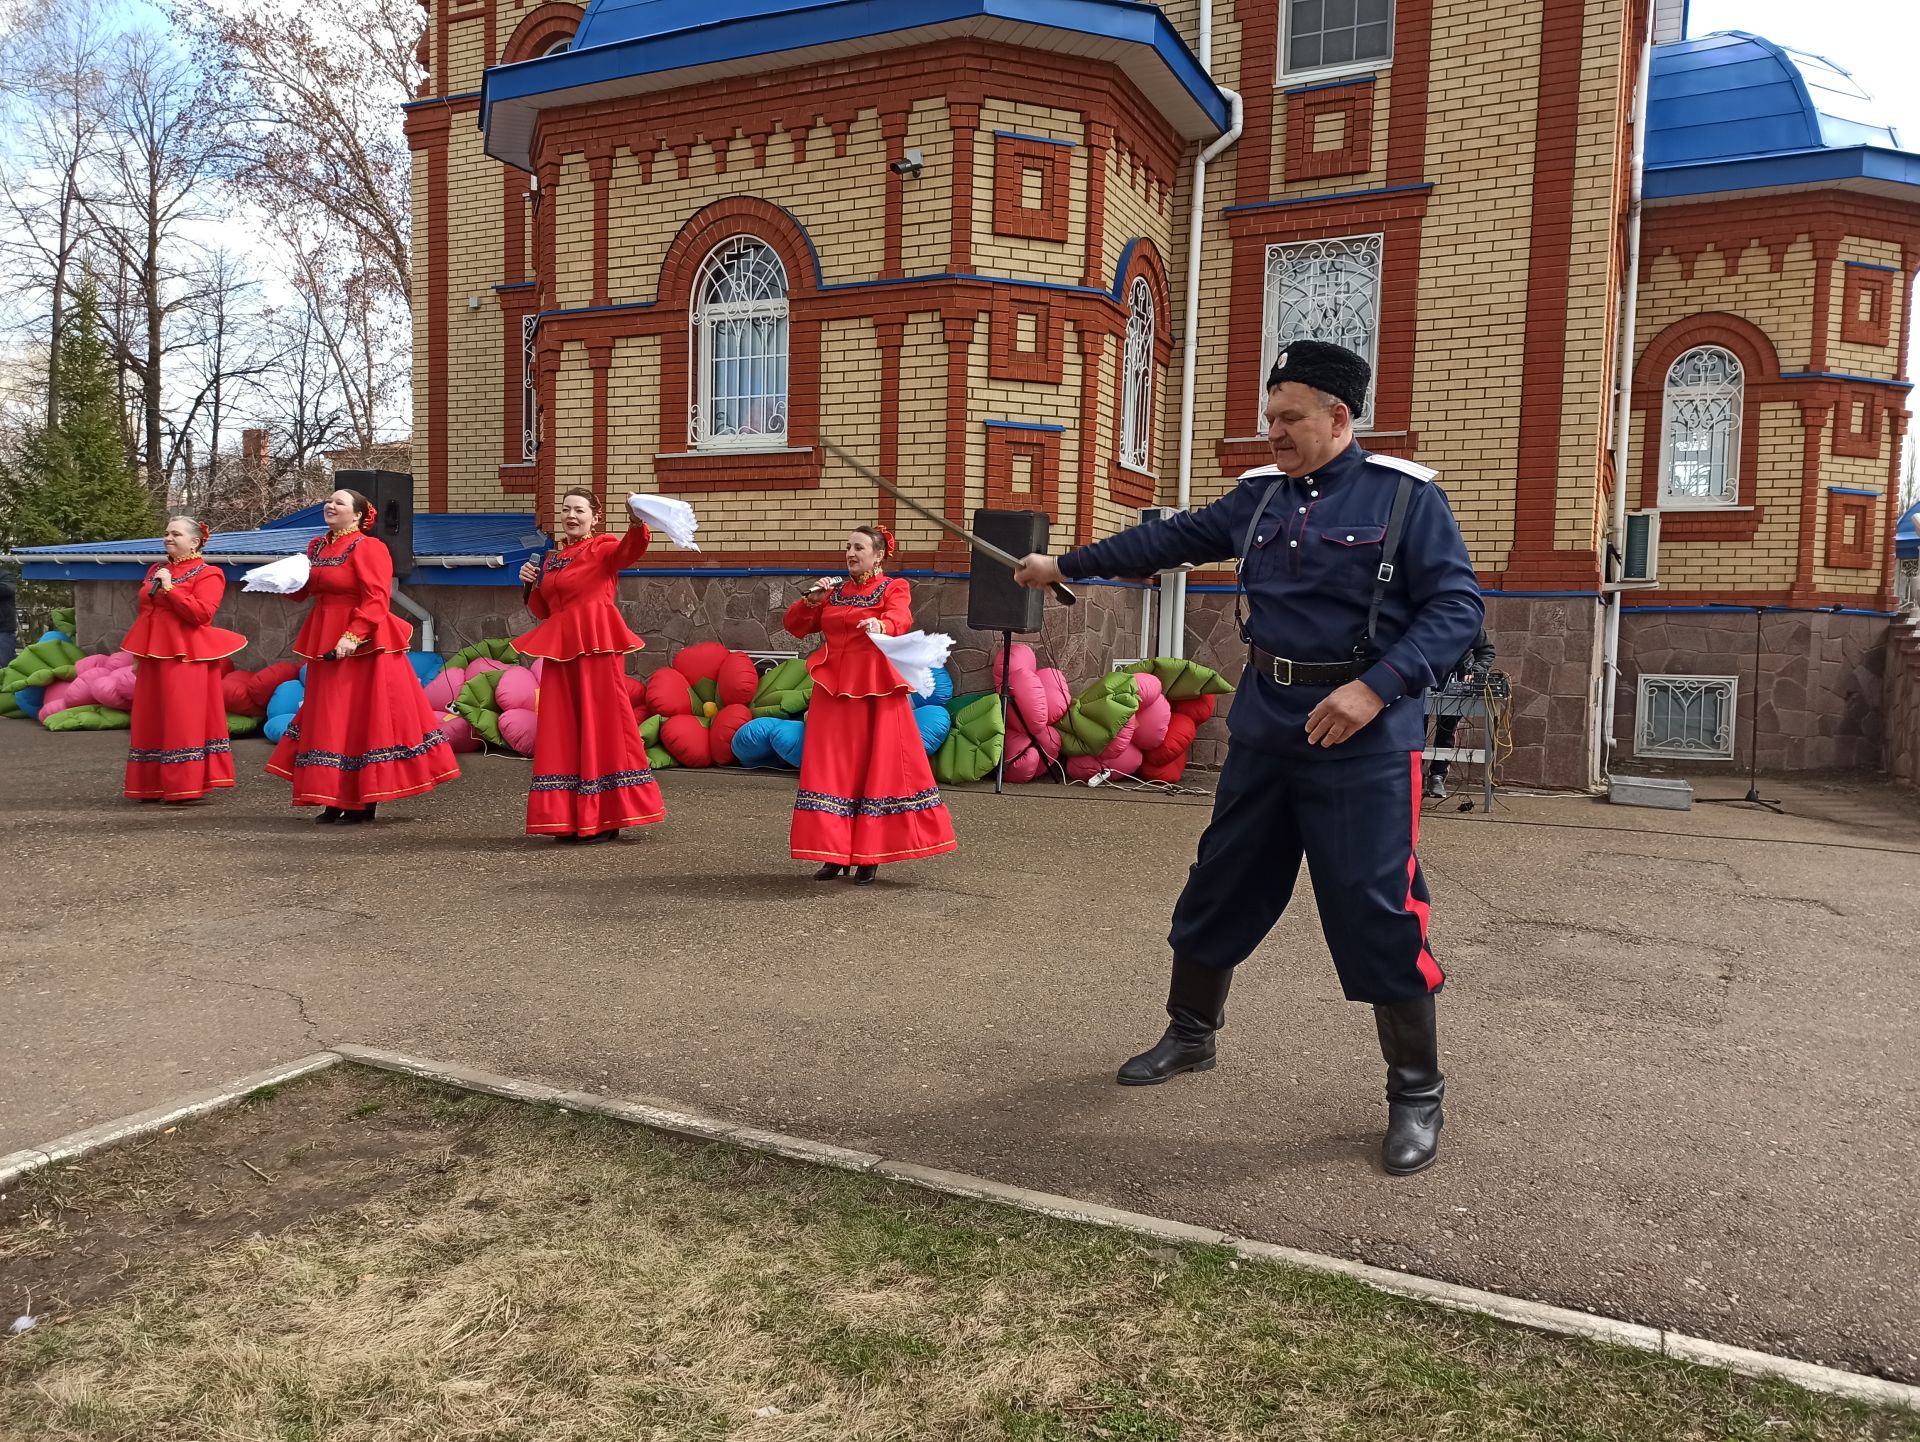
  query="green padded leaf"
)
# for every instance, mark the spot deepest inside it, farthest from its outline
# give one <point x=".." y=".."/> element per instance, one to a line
<point x="89" y="718"/>
<point x="242" y="725"/>
<point x="785" y="690"/>
<point x="972" y="749"/>
<point x="476" y="703"/>
<point x="1183" y="680"/>
<point x="497" y="648"/>
<point x="1098" y="713"/>
<point x="40" y="664"/>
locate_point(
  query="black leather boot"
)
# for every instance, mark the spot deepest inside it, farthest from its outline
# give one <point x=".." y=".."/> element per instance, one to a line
<point x="1415" y="1087"/>
<point x="828" y="871"/>
<point x="328" y="816"/>
<point x="864" y="875"/>
<point x="1196" y="1009"/>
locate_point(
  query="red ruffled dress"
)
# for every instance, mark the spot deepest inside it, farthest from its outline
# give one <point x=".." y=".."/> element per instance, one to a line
<point x="590" y="772"/>
<point x="364" y="732"/>
<point x="867" y="793"/>
<point x="178" y="748"/>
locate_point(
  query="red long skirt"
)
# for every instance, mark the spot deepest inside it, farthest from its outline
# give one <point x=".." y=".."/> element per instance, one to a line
<point x="867" y="793"/>
<point x="364" y="733"/>
<point x="178" y="748"/>
<point x="590" y="770"/>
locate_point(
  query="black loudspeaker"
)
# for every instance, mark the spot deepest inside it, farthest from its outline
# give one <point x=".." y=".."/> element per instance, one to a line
<point x="392" y="495"/>
<point x="994" y="602"/>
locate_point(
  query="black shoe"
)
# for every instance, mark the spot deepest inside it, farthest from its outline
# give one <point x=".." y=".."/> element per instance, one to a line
<point x="356" y="818"/>
<point x="864" y="875"/>
<point x="1196" y="1009"/>
<point x="1409" y="1043"/>
<point x="1436" y="786"/>
<point x="566" y="838"/>
<point x="599" y="836"/>
<point x="829" y="872"/>
<point x="328" y="816"/>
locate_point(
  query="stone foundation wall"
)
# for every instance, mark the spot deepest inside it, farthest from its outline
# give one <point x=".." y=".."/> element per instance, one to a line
<point x="1821" y="680"/>
<point x="1821" y="705"/>
<point x="1900" y="730"/>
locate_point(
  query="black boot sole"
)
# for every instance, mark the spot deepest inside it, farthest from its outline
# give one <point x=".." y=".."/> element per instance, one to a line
<point x="1411" y="1171"/>
<point x="1153" y="1081"/>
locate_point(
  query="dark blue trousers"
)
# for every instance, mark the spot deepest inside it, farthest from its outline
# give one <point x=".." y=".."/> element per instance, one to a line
<point x="1356" y="820"/>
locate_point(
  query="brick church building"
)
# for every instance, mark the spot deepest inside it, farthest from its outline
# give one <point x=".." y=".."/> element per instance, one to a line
<point x="670" y="245"/>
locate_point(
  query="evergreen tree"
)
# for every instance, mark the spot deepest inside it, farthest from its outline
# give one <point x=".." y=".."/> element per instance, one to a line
<point x="73" y="482"/>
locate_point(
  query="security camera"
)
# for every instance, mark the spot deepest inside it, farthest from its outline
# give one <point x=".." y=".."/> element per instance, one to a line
<point x="909" y="165"/>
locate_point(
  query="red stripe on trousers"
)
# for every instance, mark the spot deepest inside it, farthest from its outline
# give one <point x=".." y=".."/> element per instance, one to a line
<point x="1429" y="968"/>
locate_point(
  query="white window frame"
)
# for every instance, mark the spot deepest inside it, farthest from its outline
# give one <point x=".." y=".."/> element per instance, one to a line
<point x="1734" y="395"/>
<point x="558" y="47"/>
<point x="705" y="318"/>
<point x="1285" y="74"/>
<point x="1371" y="247"/>
<point x="1644" y="744"/>
<point x="1136" y="392"/>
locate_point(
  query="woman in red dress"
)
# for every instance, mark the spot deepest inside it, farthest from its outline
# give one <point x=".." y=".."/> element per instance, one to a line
<point x="590" y="773"/>
<point x="178" y="749"/>
<point x="867" y="794"/>
<point x="364" y="732"/>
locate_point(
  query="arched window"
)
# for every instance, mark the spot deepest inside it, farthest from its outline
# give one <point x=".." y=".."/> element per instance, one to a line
<point x="1136" y="401"/>
<point x="559" y="47"/>
<point x="1700" y="429"/>
<point x="739" y="326"/>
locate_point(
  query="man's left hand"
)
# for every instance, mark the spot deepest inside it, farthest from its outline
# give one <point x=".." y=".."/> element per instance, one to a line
<point x="1343" y="713"/>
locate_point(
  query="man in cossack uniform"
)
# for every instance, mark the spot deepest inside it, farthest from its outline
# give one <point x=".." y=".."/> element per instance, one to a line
<point x="1355" y="596"/>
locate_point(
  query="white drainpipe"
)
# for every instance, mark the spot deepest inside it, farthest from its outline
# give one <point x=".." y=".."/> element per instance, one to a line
<point x="1601" y="761"/>
<point x="412" y="608"/>
<point x="1173" y="587"/>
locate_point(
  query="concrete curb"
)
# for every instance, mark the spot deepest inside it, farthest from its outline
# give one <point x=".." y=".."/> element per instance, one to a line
<point x="1535" y="1316"/>
<point x="155" y="1119"/>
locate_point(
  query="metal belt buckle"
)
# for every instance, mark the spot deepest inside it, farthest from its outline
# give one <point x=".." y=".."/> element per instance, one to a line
<point x="1274" y="671"/>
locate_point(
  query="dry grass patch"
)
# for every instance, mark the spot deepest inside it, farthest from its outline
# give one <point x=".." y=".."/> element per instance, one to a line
<point x="413" y="1263"/>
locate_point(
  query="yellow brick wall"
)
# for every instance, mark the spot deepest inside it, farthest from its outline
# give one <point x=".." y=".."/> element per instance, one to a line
<point x="474" y="361"/>
<point x="422" y="305"/>
<point x="573" y="230"/>
<point x="1060" y="264"/>
<point x="1132" y="214"/>
<point x="1473" y="261"/>
<point x="633" y="409"/>
<point x="1767" y="561"/>
<point x="1588" y="358"/>
<point x="1852" y="358"/>
<point x="926" y="247"/>
<point x="1779" y="304"/>
<point x="572" y="430"/>
<point x="923" y="427"/>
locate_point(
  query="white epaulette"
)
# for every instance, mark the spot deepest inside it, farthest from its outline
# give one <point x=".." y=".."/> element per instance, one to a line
<point x="1406" y="467"/>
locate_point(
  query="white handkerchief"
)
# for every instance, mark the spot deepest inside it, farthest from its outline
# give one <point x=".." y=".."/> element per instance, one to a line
<point x="914" y="656"/>
<point x="279" y="578"/>
<point x="664" y="513"/>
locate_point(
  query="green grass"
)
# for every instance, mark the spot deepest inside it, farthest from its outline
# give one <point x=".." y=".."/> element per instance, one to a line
<point x="559" y="1277"/>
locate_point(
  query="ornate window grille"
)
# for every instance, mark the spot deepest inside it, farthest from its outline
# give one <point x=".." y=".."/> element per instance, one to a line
<point x="1136" y="408"/>
<point x="740" y="348"/>
<point x="1323" y="290"/>
<point x="529" y="405"/>
<point x="1686" y="717"/>
<point x="1700" y="429"/>
<point x="1325" y="34"/>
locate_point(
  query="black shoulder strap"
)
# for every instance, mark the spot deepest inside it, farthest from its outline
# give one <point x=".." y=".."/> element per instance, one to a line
<point x="1389" y="553"/>
<point x="1246" y="549"/>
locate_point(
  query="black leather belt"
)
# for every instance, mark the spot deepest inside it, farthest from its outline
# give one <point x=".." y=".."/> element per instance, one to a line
<point x="1282" y="672"/>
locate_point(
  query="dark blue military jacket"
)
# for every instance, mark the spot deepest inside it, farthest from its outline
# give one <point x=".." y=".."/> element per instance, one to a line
<point x="1309" y="576"/>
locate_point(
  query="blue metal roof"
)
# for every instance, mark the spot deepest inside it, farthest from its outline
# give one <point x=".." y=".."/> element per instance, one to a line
<point x="480" y="548"/>
<point x="1733" y="111"/>
<point x="630" y="47"/>
<point x="1906" y="532"/>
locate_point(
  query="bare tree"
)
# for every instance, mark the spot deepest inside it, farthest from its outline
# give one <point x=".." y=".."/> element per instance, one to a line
<point x="224" y="350"/>
<point x="49" y="92"/>
<point x="160" y="132"/>
<point x="319" y="93"/>
<point x="364" y="338"/>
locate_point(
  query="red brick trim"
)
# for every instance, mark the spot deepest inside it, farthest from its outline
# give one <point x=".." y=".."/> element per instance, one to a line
<point x="539" y="28"/>
<point x="515" y="306"/>
<point x="1041" y="451"/>
<point x="439" y="305"/>
<point x="1092" y="342"/>
<point x="893" y="126"/>
<point x="1259" y="70"/>
<point x="1814" y="416"/>
<point x="1549" y="260"/>
<point x="1099" y="143"/>
<point x="1013" y="160"/>
<point x="1353" y="105"/>
<point x="1897" y="427"/>
<point x="963" y="116"/>
<point x="1761" y="365"/>
<point x="958" y="327"/>
<point x="798" y="465"/>
<point x="1412" y="68"/>
<point x="890" y="335"/>
<point x="519" y="479"/>
<point x="1047" y="361"/>
<point x="600" y="174"/>
<point x="600" y="361"/>
<point x="1826" y="249"/>
<point x="1860" y="555"/>
<point x="1863" y="441"/>
<point x="1866" y="305"/>
<point x="1126" y="485"/>
<point x="1398" y="219"/>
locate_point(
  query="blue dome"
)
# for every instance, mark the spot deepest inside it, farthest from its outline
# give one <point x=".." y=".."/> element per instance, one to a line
<point x="1732" y="96"/>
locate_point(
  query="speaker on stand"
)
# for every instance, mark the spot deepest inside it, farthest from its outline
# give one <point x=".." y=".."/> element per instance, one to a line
<point x="392" y="495"/>
<point x="995" y="602"/>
